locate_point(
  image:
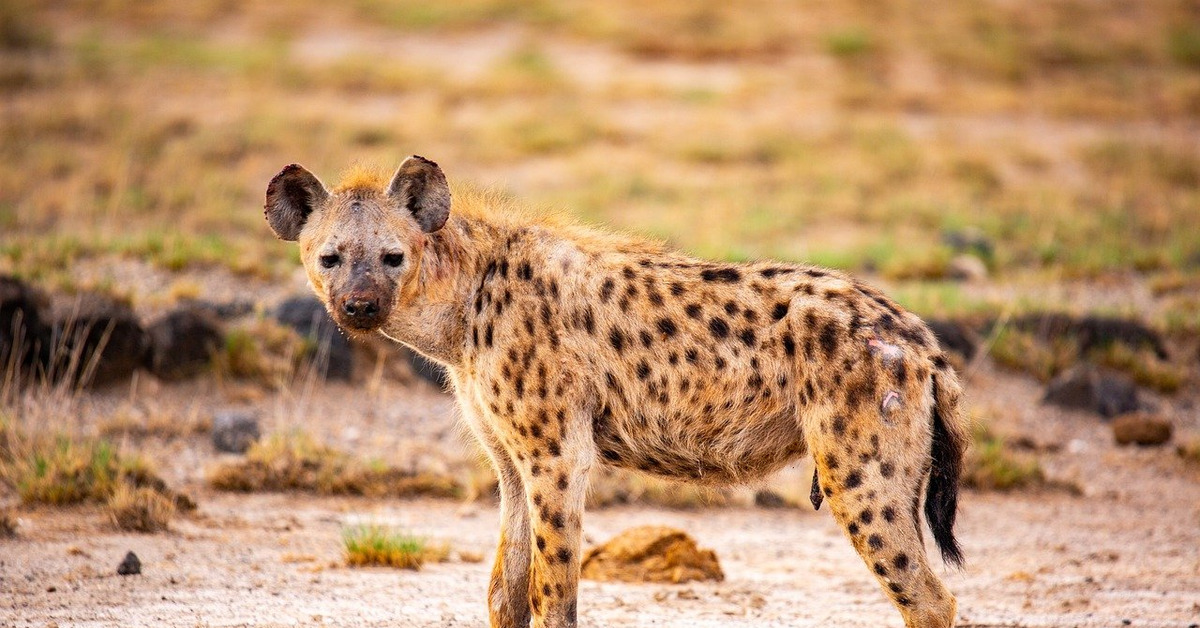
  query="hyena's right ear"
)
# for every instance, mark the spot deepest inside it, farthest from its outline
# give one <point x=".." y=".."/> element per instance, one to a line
<point x="291" y="196"/>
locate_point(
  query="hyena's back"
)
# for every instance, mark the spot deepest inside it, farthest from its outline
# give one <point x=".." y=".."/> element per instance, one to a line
<point x="711" y="372"/>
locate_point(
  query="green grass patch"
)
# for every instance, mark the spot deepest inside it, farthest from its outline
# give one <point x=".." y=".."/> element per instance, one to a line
<point x="849" y="43"/>
<point x="993" y="466"/>
<point x="382" y="546"/>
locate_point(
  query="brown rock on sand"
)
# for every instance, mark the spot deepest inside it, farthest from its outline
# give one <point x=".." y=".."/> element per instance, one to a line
<point x="651" y="554"/>
<point x="1141" y="429"/>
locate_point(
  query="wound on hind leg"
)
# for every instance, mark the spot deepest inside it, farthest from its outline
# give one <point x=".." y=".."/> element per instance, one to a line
<point x="815" y="495"/>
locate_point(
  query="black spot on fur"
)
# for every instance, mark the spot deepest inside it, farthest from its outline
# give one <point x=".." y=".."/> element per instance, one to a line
<point x="731" y="308"/>
<point x="643" y="370"/>
<point x="887" y="469"/>
<point x="889" y="514"/>
<point x="852" y="528"/>
<point x="666" y="327"/>
<point x="780" y="310"/>
<point x="564" y="555"/>
<point x="748" y="337"/>
<point x="720" y="363"/>
<point x="693" y="310"/>
<point x="895" y="587"/>
<point x="901" y="561"/>
<point x="875" y="541"/>
<point x="839" y="425"/>
<point x="853" y="479"/>
<point x="816" y="274"/>
<point x="646" y="338"/>
<point x="541" y="541"/>
<point x="723" y="275"/>
<point x="628" y="273"/>
<point x="717" y="326"/>
<point x="676" y="289"/>
<point x="829" y="338"/>
<point x="557" y="521"/>
<point x="617" y="338"/>
<point x="562" y="482"/>
<point x="606" y="290"/>
<point x="691" y="355"/>
<point x="866" y="517"/>
<point x="589" y="322"/>
<point x="789" y="345"/>
<point x="880" y="570"/>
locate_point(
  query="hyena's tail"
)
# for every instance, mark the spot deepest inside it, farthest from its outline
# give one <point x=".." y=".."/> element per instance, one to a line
<point x="950" y="437"/>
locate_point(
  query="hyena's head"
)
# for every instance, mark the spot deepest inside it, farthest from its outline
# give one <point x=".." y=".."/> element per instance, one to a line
<point x="361" y="243"/>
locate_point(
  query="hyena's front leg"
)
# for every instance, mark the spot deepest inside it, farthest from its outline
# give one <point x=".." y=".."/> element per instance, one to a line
<point x="508" y="591"/>
<point x="555" y="467"/>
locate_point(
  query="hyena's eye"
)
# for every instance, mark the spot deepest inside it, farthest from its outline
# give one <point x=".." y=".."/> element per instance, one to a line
<point x="330" y="260"/>
<point x="393" y="259"/>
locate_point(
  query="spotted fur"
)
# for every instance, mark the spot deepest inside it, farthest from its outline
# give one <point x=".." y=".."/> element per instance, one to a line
<point x="569" y="347"/>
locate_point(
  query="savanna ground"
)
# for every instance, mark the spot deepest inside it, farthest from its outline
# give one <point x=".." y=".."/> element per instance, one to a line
<point x="1062" y="138"/>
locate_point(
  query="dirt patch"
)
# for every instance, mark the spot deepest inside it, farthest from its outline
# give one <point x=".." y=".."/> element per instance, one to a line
<point x="651" y="554"/>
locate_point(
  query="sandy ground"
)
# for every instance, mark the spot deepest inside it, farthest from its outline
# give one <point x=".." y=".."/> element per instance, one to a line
<point x="1126" y="550"/>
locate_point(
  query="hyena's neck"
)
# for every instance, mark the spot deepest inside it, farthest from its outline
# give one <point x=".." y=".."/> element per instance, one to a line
<point x="431" y="315"/>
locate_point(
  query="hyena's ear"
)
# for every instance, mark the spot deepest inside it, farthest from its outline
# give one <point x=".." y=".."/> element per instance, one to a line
<point x="291" y="196"/>
<point x="420" y="187"/>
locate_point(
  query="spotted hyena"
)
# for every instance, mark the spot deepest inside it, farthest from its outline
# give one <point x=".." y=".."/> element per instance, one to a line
<point x="568" y="346"/>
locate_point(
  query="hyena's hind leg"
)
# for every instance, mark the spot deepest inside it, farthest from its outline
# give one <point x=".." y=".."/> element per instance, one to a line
<point x="872" y="473"/>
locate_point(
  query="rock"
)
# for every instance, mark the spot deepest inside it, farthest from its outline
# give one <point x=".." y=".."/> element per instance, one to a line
<point x="967" y="267"/>
<point x="183" y="343"/>
<point x="131" y="566"/>
<point x="1139" y="428"/>
<point x="954" y="336"/>
<point x="96" y="340"/>
<point x="767" y="498"/>
<point x="23" y="324"/>
<point x="1092" y="332"/>
<point x="307" y="315"/>
<point x="233" y="432"/>
<point x="1085" y="387"/>
<point x="651" y="554"/>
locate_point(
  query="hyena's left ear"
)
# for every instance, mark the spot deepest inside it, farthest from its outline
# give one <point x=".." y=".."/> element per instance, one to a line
<point x="420" y="187"/>
<point x="291" y="196"/>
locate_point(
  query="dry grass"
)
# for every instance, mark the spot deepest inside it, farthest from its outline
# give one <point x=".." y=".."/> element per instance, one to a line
<point x="381" y="546"/>
<point x="1190" y="451"/>
<point x="709" y="155"/>
<point x="993" y="466"/>
<point x="55" y="469"/>
<point x="262" y="351"/>
<point x="139" y="509"/>
<point x="296" y="462"/>
<point x="143" y="422"/>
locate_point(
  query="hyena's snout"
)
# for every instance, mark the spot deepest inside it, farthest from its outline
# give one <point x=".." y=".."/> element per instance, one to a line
<point x="362" y="309"/>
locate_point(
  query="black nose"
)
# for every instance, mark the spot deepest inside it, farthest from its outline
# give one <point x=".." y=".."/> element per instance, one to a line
<point x="360" y="308"/>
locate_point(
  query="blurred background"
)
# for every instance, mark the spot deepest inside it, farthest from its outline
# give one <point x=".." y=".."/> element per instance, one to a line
<point x="1023" y="173"/>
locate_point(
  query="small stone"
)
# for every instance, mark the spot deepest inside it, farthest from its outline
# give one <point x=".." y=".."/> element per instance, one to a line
<point x="233" y="432"/>
<point x="131" y="566"/>
<point x="767" y="498"/>
<point x="651" y="554"/>
<point x="967" y="268"/>
<point x="1139" y="428"/>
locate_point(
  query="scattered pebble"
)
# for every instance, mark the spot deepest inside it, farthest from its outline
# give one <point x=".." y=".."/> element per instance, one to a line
<point x="131" y="566"/>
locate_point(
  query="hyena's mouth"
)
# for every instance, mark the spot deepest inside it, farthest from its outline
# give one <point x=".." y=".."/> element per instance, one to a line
<point x="359" y="314"/>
